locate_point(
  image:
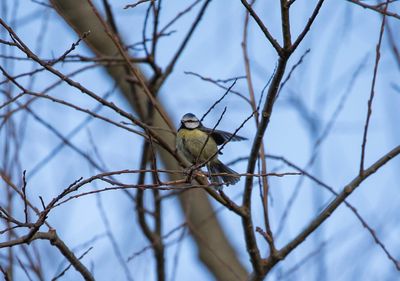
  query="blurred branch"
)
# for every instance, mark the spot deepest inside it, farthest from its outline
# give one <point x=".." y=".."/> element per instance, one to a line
<point x="44" y="4"/>
<point x="74" y="84"/>
<point x="376" y="8"/>
<point x="6" y="274"/>
<point x="112" y="238"/>
<point x="332" y="191"/>
<point x="153" y="236"/>
<point x="55" y="150"/>
<point x="132" y="69"/>
<point x="179" y="15"/>
<point x="83" y="19"/>
<point x="325" y="214"/>
<point x="160" y="80"/>
<point x="340" y="198"/>
<point x="254" y="106"/>
<point x="325" y="132"/>
<point x="392" y="42"/>
<point x="302" y="262"/>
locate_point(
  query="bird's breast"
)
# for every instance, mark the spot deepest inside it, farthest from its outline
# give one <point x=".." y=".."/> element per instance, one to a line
<point x="191" y="143"/>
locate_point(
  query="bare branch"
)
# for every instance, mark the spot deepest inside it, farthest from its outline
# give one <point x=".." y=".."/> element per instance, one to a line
<point x="59" y="244"/>
<point x="325" y="214"/>
<point x="372" y="92"/>
<point x="307" y="27"/>
<point x="263" y="28"/>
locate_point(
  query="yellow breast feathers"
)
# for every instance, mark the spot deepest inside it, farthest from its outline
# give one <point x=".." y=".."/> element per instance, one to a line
<point x="192" y="142"/>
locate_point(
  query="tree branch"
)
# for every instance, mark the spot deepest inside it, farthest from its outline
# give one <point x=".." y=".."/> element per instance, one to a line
<point x="346" y="191"/>
<point x="263" y="28"/>
<point x="59" y="244"/>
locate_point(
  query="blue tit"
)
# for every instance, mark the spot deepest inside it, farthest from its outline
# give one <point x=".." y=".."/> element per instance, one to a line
<point x="190" y="141"/>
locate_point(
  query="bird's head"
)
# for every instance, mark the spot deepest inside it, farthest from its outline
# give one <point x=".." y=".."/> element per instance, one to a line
<point x="190" y="121"/>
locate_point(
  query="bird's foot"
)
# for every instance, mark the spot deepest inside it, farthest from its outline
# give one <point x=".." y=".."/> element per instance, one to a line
<point x="188" y="172"/>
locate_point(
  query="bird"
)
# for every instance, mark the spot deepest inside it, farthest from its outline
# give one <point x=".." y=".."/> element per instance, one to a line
<point x="200" y="144"/>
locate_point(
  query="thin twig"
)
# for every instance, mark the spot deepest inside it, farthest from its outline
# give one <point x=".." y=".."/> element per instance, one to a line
<point x="263" y="28"/>
<point x="218" y="101"/>
<point x="24" y="194"/>
<point x="307" y="27"/>
<point x="299" y="62"/>
<point x="217" y="83"/>
<point x="209" y="135"/>
<point x="179" y="15"/>
<point x="137" y="3"/>
<point x="372" y="92"/>
<point x="69" y="266"/>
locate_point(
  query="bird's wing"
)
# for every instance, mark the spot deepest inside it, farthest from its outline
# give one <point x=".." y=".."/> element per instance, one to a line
<point x="221" y="136"/>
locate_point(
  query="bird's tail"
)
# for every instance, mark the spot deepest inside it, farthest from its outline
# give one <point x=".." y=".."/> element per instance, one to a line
<point x="217" y="167"/>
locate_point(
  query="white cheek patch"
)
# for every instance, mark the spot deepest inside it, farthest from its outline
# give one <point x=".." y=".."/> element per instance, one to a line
<point x="192" y="125"/>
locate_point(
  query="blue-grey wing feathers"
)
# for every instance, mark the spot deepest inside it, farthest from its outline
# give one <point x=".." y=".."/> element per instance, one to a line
<point x="221" y="136"/>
